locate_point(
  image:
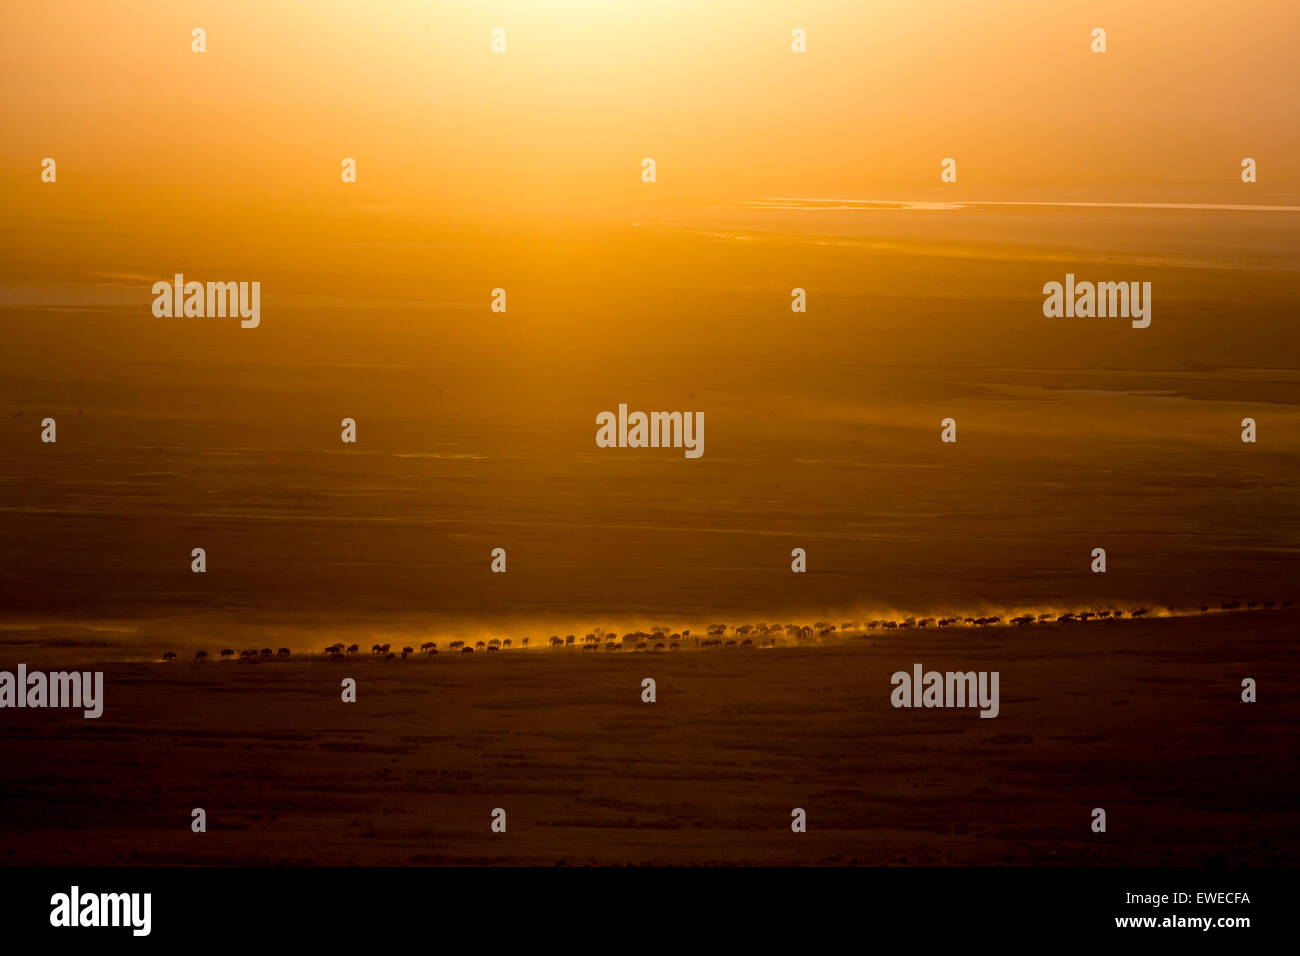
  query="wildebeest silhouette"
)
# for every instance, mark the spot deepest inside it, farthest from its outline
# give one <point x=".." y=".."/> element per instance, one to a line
<point x="267" y="652"/>
<point x="407" y="652"/>
<point x="730" y="643"/>
<point x="282" y="652"/>
<point x="169" y="656"/>
<point x="557" y="641"/>
<point x="352" y="648"/>
<point x="375" y="649"/>
<point x="200" y="655"/>
<point x="467" y="650"/>
<point x="674" y="645"/>
<point x="334" y="649"/>
<point x="227" y="653"/>
<point x="492" y="648"/>
<point x="433" y="652"/>
<point x="428" y="646"/>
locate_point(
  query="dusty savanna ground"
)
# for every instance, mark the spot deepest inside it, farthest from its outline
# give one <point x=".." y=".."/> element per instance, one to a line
<point x="1143" y="718"/>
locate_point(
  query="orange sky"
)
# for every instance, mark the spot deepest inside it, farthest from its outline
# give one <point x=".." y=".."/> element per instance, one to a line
<point x="440" y="124"/>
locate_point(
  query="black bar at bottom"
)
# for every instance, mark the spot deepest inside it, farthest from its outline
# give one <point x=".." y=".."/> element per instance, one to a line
<point x="618" y="906"/>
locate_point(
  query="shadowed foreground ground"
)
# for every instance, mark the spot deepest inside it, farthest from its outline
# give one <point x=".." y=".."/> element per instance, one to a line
<point x="1143" y="718"/>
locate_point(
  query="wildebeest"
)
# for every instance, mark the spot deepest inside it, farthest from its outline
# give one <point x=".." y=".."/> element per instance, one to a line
<point x="227" y="653"/>
<point x="201" y="655"/>
<point x="352" y="648"/>
<point x="493" y="648"/>
<point x="407" y="652"/>
<point x="282" y="652"/>
<point x="169" y="656"/>
<point x="467" y="650"/>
